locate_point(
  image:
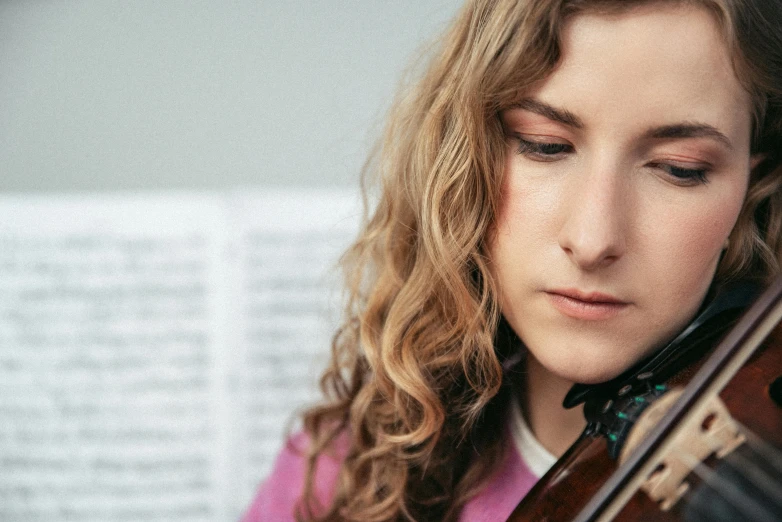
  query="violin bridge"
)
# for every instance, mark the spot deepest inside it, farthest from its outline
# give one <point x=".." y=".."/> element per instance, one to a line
<point x="713" y="431"/>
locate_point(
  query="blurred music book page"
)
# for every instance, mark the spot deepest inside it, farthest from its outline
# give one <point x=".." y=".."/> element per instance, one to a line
<point x="154" y="346"/>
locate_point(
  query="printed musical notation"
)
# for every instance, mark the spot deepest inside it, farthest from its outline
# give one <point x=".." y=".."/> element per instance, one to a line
<point x="153" y="347"/>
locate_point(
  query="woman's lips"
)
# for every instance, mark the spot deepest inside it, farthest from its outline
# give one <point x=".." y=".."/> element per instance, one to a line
<point x="592" y="306"/>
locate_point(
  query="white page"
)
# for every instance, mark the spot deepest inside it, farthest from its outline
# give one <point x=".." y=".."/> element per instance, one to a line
<point x="109" y="323"/>
<point x="154" y="346"/>
<point x="287" y="249"/>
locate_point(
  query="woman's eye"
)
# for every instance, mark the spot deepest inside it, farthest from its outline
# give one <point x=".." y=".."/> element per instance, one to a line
<point x="542" y="151"/>
<point x="688" y="176"/>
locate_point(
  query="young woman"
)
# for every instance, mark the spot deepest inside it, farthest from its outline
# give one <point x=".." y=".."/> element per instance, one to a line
<point x="557" y="195"/>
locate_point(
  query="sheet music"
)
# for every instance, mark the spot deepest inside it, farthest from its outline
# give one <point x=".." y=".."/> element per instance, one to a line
<point x="288" y="250"/>
<point x="152" y="348"/>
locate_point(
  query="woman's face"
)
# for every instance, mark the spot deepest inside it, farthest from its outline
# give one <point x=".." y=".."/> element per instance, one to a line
<point x="626" y="170"/>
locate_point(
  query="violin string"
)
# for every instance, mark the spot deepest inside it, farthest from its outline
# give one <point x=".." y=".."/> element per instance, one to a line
<point x="769" y="453"/>
<point x="737" y="498"/>
<point x="769" y="484"/>
<point x="700" y="509"/>
<point x="762" y="478"/>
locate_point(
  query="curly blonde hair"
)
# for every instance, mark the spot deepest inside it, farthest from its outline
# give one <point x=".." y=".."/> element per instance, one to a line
<point x="416" y="381"/>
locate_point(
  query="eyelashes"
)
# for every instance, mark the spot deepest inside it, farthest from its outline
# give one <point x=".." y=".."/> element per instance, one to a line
<point x="549" y="152"/>
<point x="693" y="175"/>
<point x="542" y="151"/>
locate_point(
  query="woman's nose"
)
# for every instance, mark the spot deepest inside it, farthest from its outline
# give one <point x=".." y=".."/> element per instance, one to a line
<point x="596" y="217"/>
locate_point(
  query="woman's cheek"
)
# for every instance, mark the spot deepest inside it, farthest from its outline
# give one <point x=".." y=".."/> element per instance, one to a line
<point x="691" y="244"/>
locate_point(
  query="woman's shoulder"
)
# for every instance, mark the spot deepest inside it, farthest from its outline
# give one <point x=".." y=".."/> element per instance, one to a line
<point x="281" y="492"/>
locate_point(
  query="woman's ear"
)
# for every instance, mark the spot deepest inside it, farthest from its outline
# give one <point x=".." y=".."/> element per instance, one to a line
<point x="756" y="159"/>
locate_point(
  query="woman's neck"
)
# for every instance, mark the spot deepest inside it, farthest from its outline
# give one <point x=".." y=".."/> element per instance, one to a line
<point x="555" y="427"/>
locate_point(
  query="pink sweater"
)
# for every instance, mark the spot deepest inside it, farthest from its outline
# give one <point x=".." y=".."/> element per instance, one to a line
<point x="278" y="495"/>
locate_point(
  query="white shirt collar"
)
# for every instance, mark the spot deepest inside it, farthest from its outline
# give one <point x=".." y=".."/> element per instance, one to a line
<point x="535" y="456"/>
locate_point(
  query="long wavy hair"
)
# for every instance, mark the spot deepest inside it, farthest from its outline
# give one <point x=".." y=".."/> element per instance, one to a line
<point x="415" y="382"/>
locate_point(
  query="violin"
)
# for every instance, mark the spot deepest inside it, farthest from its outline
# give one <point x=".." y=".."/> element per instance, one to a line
<point x="692" y="433"/>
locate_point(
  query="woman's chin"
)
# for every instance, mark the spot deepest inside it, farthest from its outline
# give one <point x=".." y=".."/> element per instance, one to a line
<point x="587" y="369"/>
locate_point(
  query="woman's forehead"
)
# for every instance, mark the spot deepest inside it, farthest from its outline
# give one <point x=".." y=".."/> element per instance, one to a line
<point x="657" y="64"/>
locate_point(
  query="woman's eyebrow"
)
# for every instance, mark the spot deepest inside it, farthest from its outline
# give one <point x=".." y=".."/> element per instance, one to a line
<point x="678" y="130"/>
<point x="562" y="116"/>
<point x="688" y="130"/>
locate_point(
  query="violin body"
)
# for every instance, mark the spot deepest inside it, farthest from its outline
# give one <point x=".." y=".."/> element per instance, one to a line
<point x="752" y="397"/>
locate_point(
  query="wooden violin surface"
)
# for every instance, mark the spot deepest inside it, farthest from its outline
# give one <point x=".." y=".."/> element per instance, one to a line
<point x="746" y="486"/>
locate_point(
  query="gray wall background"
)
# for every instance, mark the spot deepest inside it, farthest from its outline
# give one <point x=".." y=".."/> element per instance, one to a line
<point x="100" y="95"/>
<point x="103" y="97"/>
